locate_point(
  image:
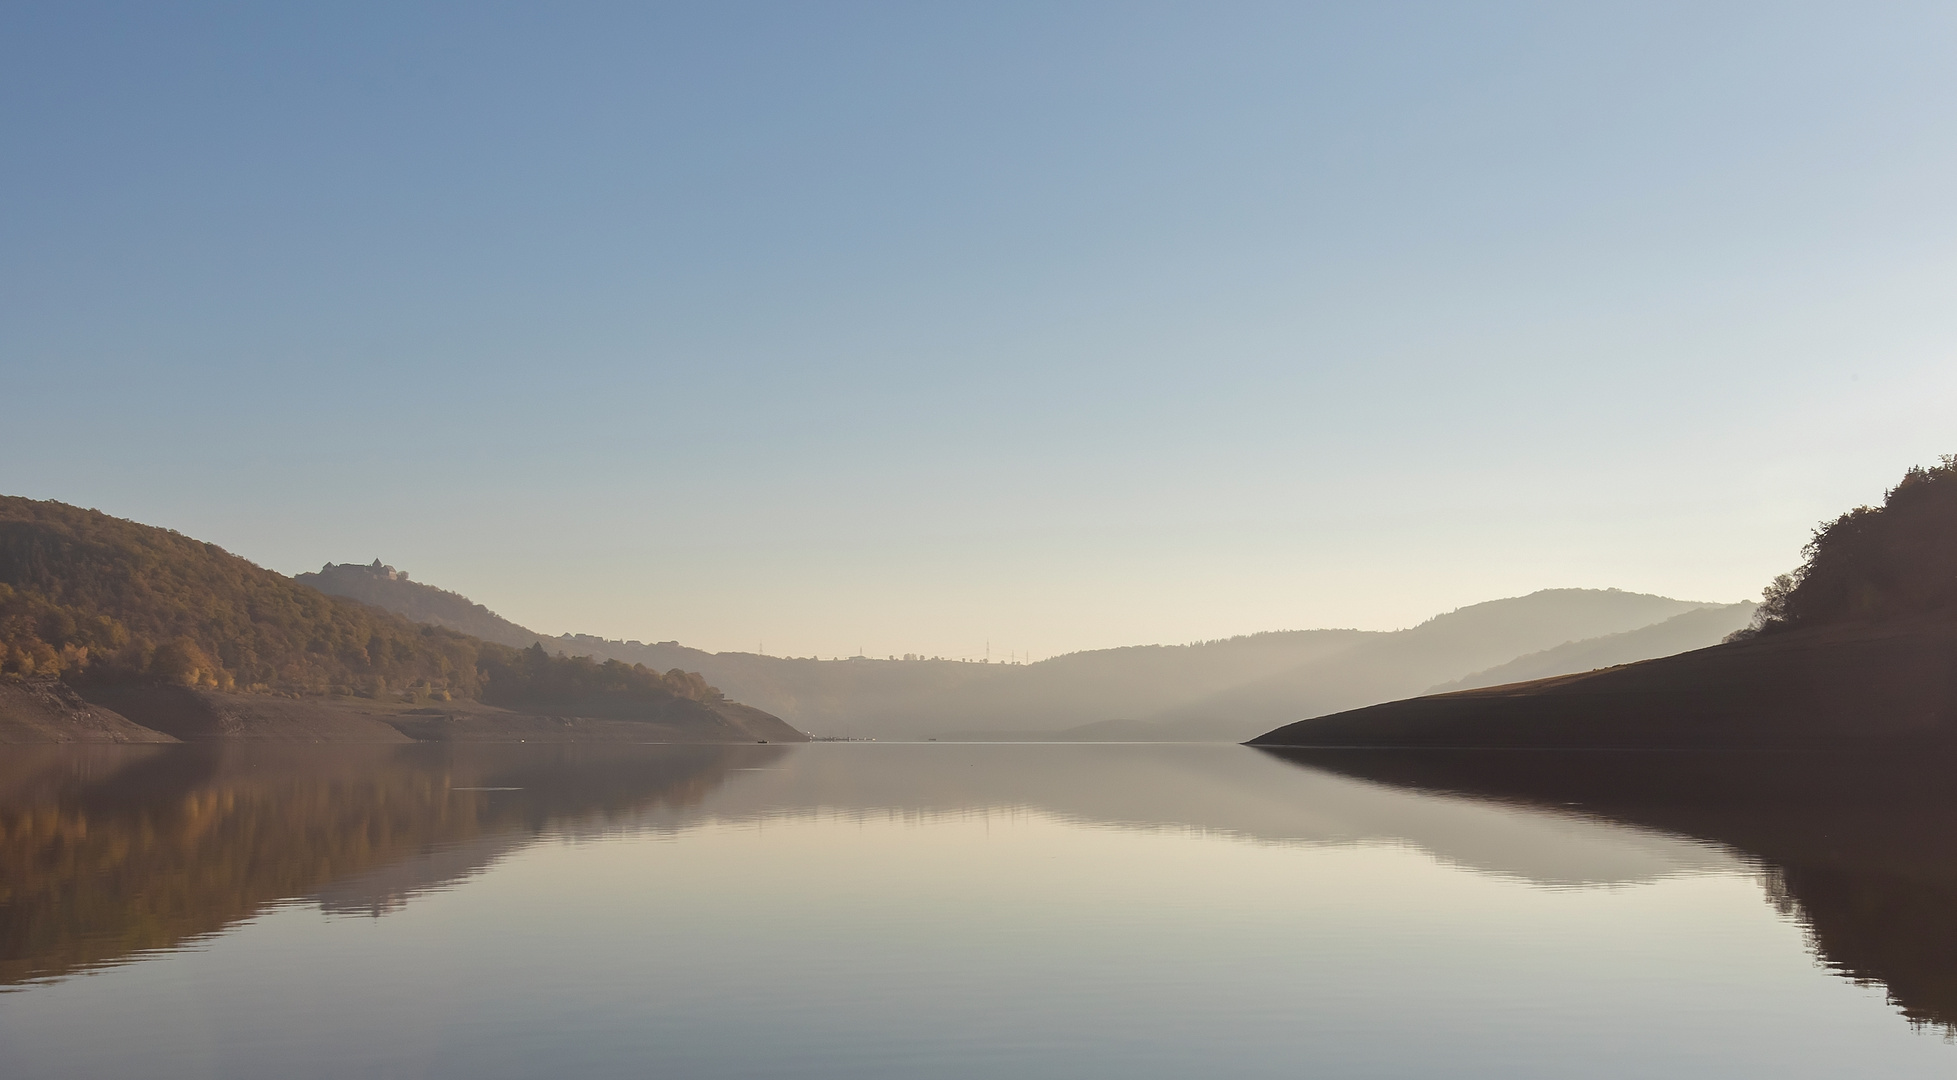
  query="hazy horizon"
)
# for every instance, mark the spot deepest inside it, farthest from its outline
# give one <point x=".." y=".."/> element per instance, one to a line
<point x="986" y="653"/>
<point x="869" y="327"/>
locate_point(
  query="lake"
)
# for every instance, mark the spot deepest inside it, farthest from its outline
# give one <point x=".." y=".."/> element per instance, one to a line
<point x="956" y="910"/>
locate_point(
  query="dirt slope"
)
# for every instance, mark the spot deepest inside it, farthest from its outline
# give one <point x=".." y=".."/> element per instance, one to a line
<point x="48" y="711"/>
<point x="172" y="713"/>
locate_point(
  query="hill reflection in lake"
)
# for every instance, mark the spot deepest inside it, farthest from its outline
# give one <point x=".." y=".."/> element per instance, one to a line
<point x="956" y="910"/>
<point x="1862" y="847"/>
<point x="108" y="852"/>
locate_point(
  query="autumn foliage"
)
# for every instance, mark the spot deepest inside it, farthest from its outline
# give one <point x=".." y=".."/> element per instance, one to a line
<point x="85" y="596"/>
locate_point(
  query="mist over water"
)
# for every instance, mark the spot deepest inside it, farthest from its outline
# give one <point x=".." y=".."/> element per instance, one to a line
<point x="857" y="910"/>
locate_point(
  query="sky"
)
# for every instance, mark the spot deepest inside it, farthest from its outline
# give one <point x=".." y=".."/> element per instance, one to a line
<point x="946" y="328"/>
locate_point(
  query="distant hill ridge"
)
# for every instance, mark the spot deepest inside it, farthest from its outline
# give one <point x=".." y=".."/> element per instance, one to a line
<point x="1681" y="633"/>
<point x="387" y="588"/>
<point x="1225" y="689"/>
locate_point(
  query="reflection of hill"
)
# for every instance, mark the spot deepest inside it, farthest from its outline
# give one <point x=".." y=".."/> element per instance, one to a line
<point x="107" y="852"/>
<point x="1863" y="847"/>
<point x="1217" y="790"/>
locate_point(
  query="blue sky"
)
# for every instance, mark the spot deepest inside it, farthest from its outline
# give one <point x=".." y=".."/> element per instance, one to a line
<point x="913" y="327"/>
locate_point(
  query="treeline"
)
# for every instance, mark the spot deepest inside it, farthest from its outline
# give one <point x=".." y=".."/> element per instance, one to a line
<point x="390" y="590"/>
<point x="533" y="678"/>
<point x="1876" y="562"/>
<point x="85" y="596"/>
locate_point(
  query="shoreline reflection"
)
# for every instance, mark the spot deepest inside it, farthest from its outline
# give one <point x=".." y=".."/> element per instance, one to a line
<point x="1860" y="848"/>
<point x="108" y="854"/>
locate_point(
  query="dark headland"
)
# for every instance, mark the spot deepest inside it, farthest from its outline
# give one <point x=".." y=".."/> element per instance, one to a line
<point x="113" y="631"/>
<point x="1856" y="648"/>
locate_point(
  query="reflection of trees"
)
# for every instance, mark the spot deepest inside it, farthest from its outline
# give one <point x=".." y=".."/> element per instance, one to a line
<point x="1863" y="849"/>
<point x="1883" y="928"/>
<point x="108" y="851"/>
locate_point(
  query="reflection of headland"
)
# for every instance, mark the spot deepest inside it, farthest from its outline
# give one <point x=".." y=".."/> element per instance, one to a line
<point x="107" y="852"/>
<point x="1213" y="791"/>
<point x="1863" y="848"/>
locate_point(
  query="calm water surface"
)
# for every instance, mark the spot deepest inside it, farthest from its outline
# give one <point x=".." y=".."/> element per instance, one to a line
<point x="947" y="910"/>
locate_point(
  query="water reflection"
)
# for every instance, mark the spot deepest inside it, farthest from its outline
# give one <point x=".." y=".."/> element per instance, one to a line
<point x="112" y="852"/>
<point x="1862" y="849"/>
<point x="1224" y="791"/>
<point x="108" y="852"/>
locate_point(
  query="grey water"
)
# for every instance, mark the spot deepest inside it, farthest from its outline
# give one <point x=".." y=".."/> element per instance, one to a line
<point x="946" y="910"/>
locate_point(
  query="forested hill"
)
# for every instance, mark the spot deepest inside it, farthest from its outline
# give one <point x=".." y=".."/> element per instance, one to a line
<point x="1876" y="563"/>
<point x="1853" y="648"/>
<point x="96" y="599"/>
<point x="390" y="589"/>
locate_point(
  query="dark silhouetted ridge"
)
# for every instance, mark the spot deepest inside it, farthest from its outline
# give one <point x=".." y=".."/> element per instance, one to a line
<point x="1858" y="646"/>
